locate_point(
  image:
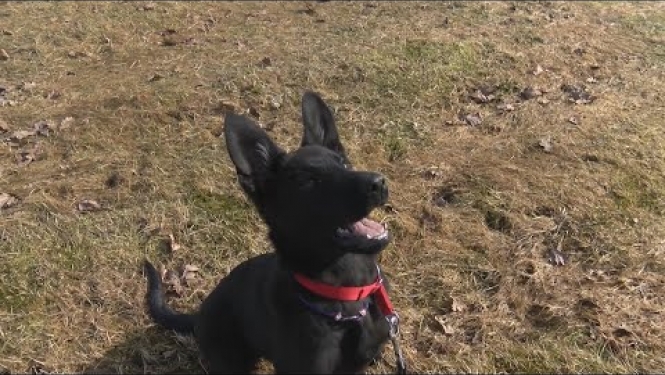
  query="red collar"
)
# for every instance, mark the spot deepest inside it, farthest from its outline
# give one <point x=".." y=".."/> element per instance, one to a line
<point x="349" y="293"/>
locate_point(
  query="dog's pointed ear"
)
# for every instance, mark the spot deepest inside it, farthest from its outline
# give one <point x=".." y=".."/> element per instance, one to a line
<point x="251" y="150"/>
<point x="320" y="128"/>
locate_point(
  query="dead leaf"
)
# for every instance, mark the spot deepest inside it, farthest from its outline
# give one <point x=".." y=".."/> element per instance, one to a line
<point x="3" y="126"/>
<point x="591" y="80"/>
<point x="26" y="157"/>
<point x="224" y="107"/>
<point x="622" y="332"/>
<point x="578" y="94"/>
<point x="252" y="111"/>
<point x="28" y="86"/>
<point x="189" y="273"/>
<point x="4" y="56"/>
<point x="162" y="271"/>
<point x="480" y="97"/>
<point x="445" y="196"/>
<point x="430" y="174"/>
<point x="88" y="205"/>
<point x="506" y="107"/>
<point x="309" y="10"/>
<point x="265" y="62"/>
<point x="172" y="282"/>
<point x="539" y="69"/>
<point x="597" y="276"/>
<point x="573" y="120"/>
<point x="275" y="103"/>
<point x="191" y="268"/>
<point x="530" y="93"/>
<point x="6" y="102"/>
<point x="7" y="32"/>
<point x="173" y="245"/>
<point x="543" y="100"/>
<point x="191" y="41"/>
<point x="584" y="101"/>
<point x="473" y="119"/>
<point x="556" y="256"/>
<point x="587" y="304"/>
<point x="76" y="54"/>
<point x="53" y="95"/>
<point x="168" y="31"/>
<point x="148" y="6"/>
<point x="457" y="306"/>
<point x="114" y="180"/>
<point x="66" y="122"/>
<point x="146" y="228"/>
<point x="36" y="367"/>
<point x="21" y="134"/>
<point x="169" y="42"/>
<point x="8" y="200"/>
<point x="155" y="77"/>
<point x="43" y="127"/>
<point x="546" y="144"/>
<point x="445" y="328"/>
<point x="488" y="89"/>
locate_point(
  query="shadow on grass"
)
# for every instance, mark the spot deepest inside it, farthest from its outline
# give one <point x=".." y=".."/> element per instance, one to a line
<point x="149" y="351"/>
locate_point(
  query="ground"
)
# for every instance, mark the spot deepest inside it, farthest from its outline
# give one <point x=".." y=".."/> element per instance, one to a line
<point x="522" y="143"/>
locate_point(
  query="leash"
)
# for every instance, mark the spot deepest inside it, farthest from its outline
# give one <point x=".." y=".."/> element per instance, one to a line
<point x="386" y="307"/>
<point x="393" y="321"/>
<point x="356" y="293"/>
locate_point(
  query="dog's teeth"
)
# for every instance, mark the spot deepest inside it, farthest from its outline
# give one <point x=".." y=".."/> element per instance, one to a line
<point x="342" y="231"/>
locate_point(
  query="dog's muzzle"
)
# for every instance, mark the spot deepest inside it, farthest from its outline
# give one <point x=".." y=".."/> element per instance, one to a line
<point x="374" y="187"/>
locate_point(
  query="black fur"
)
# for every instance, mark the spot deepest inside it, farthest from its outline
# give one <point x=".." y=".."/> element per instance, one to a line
<point x="304" y="197"/>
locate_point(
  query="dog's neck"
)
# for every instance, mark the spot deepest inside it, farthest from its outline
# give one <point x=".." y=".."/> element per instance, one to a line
<point x="335" y="268"/>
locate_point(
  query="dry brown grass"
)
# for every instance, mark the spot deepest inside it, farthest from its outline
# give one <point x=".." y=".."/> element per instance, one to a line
<point x="475" y="208"/>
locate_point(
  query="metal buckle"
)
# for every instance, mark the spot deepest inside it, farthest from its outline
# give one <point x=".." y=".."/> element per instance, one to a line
<point x="393" y="321"/>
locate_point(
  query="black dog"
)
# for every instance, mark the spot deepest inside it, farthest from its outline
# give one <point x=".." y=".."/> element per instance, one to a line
<point x="316" y="305"/>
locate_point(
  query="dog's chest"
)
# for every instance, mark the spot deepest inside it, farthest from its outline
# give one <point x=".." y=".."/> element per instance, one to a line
<point x="361" y="343"/>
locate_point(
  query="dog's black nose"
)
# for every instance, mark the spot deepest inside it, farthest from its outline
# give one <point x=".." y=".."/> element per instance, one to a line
<point x="379" y="189"/>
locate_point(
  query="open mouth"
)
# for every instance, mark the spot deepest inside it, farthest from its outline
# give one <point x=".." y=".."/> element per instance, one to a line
<point x="364" y="228"/>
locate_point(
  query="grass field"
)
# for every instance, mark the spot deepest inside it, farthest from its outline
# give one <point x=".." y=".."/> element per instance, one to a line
<point x="514" y="135"/>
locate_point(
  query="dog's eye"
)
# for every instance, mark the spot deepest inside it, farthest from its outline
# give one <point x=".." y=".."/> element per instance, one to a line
<point x="305" y="181"/>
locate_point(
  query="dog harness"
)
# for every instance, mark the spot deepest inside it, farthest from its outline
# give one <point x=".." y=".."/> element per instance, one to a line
<point x="356" y="293"/>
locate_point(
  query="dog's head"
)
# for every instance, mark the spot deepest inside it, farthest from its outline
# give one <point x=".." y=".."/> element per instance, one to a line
<point x="311" y="199"/>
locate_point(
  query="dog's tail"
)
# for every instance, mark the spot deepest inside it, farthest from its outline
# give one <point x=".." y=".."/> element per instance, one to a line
<point x="157" y="308"/>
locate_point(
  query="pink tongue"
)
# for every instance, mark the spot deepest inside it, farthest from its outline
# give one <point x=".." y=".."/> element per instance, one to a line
<point x="367" y="227"/>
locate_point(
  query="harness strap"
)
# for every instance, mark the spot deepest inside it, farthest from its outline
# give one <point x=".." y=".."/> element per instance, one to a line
<point x="357" y="293"/>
